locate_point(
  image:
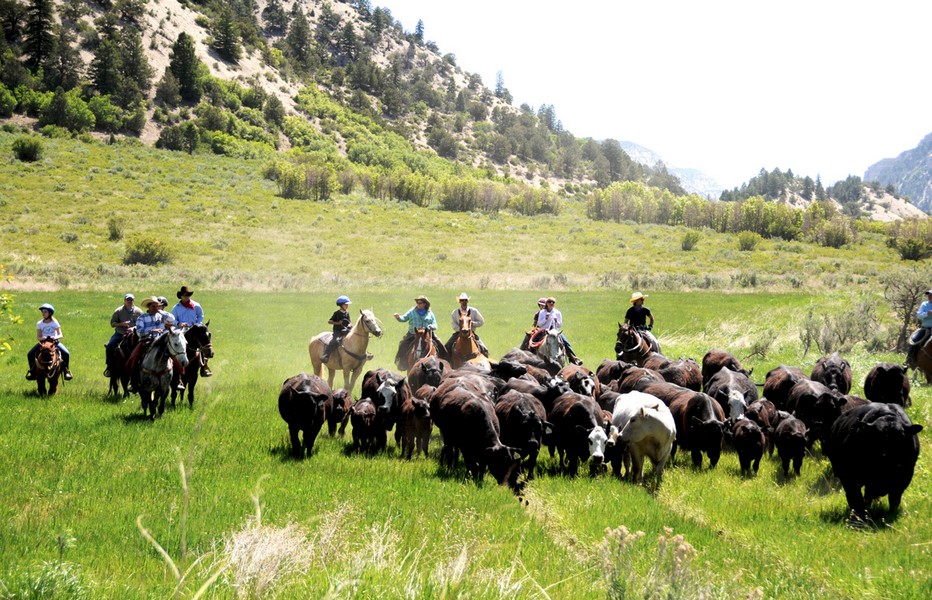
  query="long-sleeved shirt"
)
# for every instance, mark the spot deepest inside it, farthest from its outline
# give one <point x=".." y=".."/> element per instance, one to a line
<point x="550" y="319"/>
<point x="417" y="321"/>
<point x="474" y="315"/>
<point x="191" y="314"/>
<point x="925" y="313"/>
<point x="147" y="323"/>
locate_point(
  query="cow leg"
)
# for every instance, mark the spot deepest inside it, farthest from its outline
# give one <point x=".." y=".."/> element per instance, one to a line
<point x="756" y="464"/>
<point x="797" y="463"/>
<point x="296" y="449"/>
<point x="697" y="458"/>
<point x="714" y="455"/>
<point x="856" y="500"/>
<point x="894" y="497"/>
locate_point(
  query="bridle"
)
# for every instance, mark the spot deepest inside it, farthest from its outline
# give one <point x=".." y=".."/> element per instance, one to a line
<point x="53" y="363"/>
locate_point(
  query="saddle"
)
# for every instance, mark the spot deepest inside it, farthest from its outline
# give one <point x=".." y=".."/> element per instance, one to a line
<point x="923" y="334"/>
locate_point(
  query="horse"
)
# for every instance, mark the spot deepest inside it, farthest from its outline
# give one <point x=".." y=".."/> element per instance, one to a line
<point x="465" y="348"/>
<point x="197" y="338"/>
<point x="632" y="347"/>
<point x="548" y="344"/>
<point x="156" y="369"/>
<point x="922" y="361"/>
<point x="422" y="346"/>
<point x="351" y="356"/>
<point x="116" y="362"/>
<point x="48" y="366"/>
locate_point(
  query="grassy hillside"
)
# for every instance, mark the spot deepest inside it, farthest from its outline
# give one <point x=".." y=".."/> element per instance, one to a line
<point x="229" y="230"/>
<point x="76" y="472"/>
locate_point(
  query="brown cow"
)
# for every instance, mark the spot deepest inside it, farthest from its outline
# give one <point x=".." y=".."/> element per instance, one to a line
<point x="414" y="424"/>
<point x="683" y="372"/>
<point x="748" y="440"/>
<point x="699" y="426"/>
<point x="888" y="382"/>
<point x="523" y="422"/>
<point x="302" y="404"/>
<point x="715" y="360"/>
<point x="764" y="413"/>
<point x="581" y="380"/>
<point x="791" y="438"/>
<point x="817" y="406"/>
<point x="633" y="378"/>
<point x="778" y="383"/>
<point x="429" y="370"/>
<point x="368" y="430"/>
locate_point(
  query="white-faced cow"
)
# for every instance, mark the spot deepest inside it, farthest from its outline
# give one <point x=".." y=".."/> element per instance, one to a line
<point x="733" y="390"/>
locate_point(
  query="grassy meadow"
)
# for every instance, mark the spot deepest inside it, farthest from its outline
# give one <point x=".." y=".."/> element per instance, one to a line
<point x="234" y="516"/>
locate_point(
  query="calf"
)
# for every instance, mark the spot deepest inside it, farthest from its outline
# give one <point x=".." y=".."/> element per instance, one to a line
<point x="581" y="380"/>
<point x="715" y="360"/>
<point x="764" y="413"/>
<point x="779" y="382"/>
<point x="414" y="425"/>
<point x="834" y="372"/>
<point x="874" y="447"/>
<point x="429" y="370"/>
<point x="888" y="382"/>
<point x="523" y="423"/>
<point x="469" y="426"/>
<point x="683" y="372"/>
<point x="302" y="404"/>
<point x="791" y="439"/>
<point x="368" y="431"/>
<point x="733" y="390"/>
<point x="338" y="411"/>
<point x="646" y="429"/>
<point x="817" y="406"/>
<point x="748" y="440"/>
<point x="699" y="427"/>
<point x="578" y="432"/>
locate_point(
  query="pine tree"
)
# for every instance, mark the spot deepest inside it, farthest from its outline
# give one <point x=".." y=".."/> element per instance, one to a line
<point x="39" y="38"/>
<point x="105" y="71"/>
<point x="184" y="65"/>
<point x="298" y="40"/>
<point x="419" y="32"/>
<point x="226" y="37"/>
<point x="63" y="67"/>
<point x="137" y="75"/>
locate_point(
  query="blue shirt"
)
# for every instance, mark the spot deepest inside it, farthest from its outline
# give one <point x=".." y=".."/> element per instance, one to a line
<point x="418" y="321"/>
<point x="147" y="323"/>
<point x="193" y="315"/>
<point x="925" y="313"/>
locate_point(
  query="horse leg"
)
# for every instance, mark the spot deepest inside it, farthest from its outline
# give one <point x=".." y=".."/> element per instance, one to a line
<point x="190" y="383"/>
<point x="40" y="384"/>
<point x="53" y="385"/>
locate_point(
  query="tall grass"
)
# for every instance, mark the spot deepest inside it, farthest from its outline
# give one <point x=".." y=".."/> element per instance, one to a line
<point x="84" y="467"/>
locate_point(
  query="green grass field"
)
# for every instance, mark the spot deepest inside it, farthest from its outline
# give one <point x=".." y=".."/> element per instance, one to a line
<point x="78" y="470"/>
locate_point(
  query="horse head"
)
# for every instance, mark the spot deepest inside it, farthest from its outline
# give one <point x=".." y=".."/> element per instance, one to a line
<point x="552" y="346"/>
<point x="176" y="345"/>
<point x="48" y="357"/>
<point x="465" y="329"/>
<point x="372" y="325"/>
<point x="197" y="337"/>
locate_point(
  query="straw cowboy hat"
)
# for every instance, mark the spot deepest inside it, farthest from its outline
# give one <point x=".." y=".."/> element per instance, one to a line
<point x="637" y="296"/>
<point x="463" y="296"/>
<point x="424" y="300"/>
<point x="151" y="300"/>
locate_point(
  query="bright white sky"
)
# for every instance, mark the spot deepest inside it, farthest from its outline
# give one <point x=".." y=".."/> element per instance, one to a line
<point x="822" y="87"/>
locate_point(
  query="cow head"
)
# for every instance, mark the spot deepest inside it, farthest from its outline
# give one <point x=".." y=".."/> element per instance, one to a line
<point x="387" y="393"/>
<point x="504" y="464"/>
<point x="834" y="372"/>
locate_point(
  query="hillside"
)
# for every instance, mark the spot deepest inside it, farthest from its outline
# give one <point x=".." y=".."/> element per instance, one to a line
<point x="910" y="173"/>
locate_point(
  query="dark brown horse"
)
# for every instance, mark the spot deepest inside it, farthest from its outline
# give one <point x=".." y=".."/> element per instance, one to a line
<point x="422" y="346"/>
<point x="48" y="366"/>
<point x="199" y="345"/>
<point x="922" y="362"/>
<point x="116" y="362"/>
<point x="632" y="347"/>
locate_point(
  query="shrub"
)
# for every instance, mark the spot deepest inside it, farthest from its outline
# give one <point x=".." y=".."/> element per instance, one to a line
<point x="115" y="229"/>
<point x="748" y="240"/>
<point x="913" y="249"/>
<point x="27" y="148"/>
<point x="68" y="110"/>
<point x="689" y="241"/>
<point x="147" y="251"/>
<point x="108" y="117"/>
<point x="7" y="102"/>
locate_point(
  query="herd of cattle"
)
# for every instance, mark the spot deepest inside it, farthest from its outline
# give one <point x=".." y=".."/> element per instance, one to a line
<point x="623" y="414"/>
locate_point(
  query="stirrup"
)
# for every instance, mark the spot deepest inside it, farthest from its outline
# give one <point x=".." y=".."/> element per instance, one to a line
<point x="369" y="356"/>
<point x="205" y="372"/>
<point x="67" y="375"/>
<point x="107" y="372"/>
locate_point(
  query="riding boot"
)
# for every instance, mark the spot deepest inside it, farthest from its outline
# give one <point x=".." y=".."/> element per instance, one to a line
<point x="31" y="374"/>
<point x="67" y="374"/>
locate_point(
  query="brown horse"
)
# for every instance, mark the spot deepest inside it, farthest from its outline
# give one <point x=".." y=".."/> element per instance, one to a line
<point x="116" y="362"/>
<point x="465" y="348"/>
<point x="922" y="361"/>
<point x="48" y="366"/>
<point x="422" y="346"/>
<point x="632" y="347"/>
<point x="199" y="345"/>
<point x="351" y="356"/>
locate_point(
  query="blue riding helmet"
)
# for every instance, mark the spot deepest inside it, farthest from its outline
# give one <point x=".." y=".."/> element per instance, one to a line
<point x="48" y="307"/>
<point x="343" y="300"/>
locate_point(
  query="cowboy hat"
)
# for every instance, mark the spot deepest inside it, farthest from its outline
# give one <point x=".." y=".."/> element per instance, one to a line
<point x="463" y="296"/>
<point x="151" y="300"/>
<point x="424" y="300"/>
<point x="184" y="291"/>
<point x="637" y="296"/>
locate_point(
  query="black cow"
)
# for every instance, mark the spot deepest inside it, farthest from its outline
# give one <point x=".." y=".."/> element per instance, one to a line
<point x="546" y="392"/>
<point x="368" y="430"/>
<point x="338" y="411"/>
<point x="715" y="360"/>
<point x="733" y="390"/>
<point x="683" y="372"/>
<point x="888" y="382"/>
<point x="579" y="432"/>
<point x="764" y="413"/>
<point x="817" y="406"/>
<point x="791" y="439"/>
<point x="834" y="372"/>
<point x="388" y="392"/>
<point x="429" y="370"/>
<point x="778" y="383"/>
<point x="469" y="426"/>
<point x="516" y="355"/>
<point x="523" y="422"/>
<point x="874" y="447"/>
<point x="699" y="427"/>
<point x="302" y="404"/>
<point x="748" y="440"/>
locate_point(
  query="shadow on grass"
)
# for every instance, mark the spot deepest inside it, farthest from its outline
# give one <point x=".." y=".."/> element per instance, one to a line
<point x="877" y="518"/>
<point x="826" y="483"/>
<point x="134" y="418"/>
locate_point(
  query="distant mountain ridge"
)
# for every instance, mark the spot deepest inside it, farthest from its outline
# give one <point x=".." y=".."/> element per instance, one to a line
<point x="910" y="173"/>
<point x="693" y="181"/>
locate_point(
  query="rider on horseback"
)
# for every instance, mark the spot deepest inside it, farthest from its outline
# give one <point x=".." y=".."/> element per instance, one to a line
<point x="48" y="328"/>
<point x="638" y="315"/>
<point x="148" y="326"/>
<point x="187" y="312"/>
<point x="123" y="318"/>
<point x="549" y="318"/>
<point x="475" y="318"/>
<point x="418" y="317"/>
<point x="341" y="326"/>
<point x="918" y="338"/>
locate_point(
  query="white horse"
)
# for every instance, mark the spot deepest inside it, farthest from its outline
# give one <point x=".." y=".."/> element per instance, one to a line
<point x="155" y="377"/>
<point x="351" y="356"/>
<point x="549" y="345"/>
